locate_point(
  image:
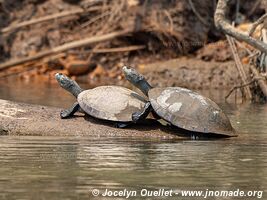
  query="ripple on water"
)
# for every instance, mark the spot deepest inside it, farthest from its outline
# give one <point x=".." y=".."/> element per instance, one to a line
<point x="73" y="166"/>
<point x="67" y="168"/>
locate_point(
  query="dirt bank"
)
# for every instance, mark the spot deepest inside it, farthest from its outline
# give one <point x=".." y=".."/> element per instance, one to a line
<point x="186" y="72"/>
<point x="192" y="73"/>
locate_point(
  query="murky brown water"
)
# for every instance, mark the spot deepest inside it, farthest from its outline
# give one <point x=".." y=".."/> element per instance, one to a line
<point x="70" y="168"/>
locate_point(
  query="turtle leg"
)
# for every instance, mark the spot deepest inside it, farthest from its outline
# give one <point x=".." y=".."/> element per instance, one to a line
<point x="137" y="116"/>
<point x="69" y="112"/>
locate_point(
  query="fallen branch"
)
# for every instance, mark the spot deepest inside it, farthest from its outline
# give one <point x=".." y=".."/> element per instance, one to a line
<point x="47" y="18"/>
<point x="239" y="67"/>
<point x="65" y="47"/>
<point x="222" y="24"/>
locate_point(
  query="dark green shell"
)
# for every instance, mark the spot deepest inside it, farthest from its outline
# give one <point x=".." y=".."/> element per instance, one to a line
<point x="112" y="103"/>
<point x="189" y="110"/>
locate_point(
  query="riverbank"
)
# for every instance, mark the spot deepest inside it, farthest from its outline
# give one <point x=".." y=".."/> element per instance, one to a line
<point x="191" y="73"/>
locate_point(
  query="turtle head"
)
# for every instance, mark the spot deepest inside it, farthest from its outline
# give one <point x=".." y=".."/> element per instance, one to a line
<point x="132" y="75"/>
<point x="68" y="84"/>
<point x="138" y="80"/>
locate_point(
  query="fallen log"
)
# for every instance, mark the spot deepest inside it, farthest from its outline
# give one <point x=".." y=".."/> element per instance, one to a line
<point x="36" y="120"/>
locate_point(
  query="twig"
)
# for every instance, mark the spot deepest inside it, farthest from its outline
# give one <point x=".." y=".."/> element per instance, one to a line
<point x="47" y="18"/>
<point x="114" y="50"/>
<point x="119" y="49"/>
<point x="65" y="47"/>
<point x="93" y="20"/>
<point x="201" y="19"/>
<point x="237" y="10"/>
<point x="255" y="54"/>
<point x="242" y="46"/>
<point x="222" y="23"/>
<point x="239" y="66"/>
<point x="256" y="24"/>
<point x="238" y="87"/>
<point x="170" y="19"/>
<point x="140" y="15"/>
<point x="255" y="6"/>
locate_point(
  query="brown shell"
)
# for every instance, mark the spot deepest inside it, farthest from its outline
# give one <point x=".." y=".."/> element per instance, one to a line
<point x="189" y="110"/>
<point x="112" y="103"/>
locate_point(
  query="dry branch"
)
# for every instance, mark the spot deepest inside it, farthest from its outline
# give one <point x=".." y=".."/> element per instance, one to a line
<point x="65" y="47"/>
<point x="119" y="49"/>
<point x="42" y="19"/>
<point x="260" y="81"/>
<point x="256" y="24"/>
<point x="256" y="4"/>
<point x="201" y="19"/>
<point x="240" y="67"/>
<point x="222" y="24"/>
<point x="238" y="87"/>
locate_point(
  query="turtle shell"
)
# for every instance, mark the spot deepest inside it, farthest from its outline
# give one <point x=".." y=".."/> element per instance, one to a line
<point x="112" y="103"/>
<point x="190" y="111"/>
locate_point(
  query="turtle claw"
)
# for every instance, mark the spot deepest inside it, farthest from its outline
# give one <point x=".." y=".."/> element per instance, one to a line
<point x="64" y="114"/>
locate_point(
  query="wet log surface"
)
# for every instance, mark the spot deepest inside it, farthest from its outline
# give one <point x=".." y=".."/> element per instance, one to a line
<point x="35" y="120"/>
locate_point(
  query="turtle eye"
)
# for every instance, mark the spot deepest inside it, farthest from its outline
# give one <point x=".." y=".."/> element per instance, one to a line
<point x="65" y="82"/>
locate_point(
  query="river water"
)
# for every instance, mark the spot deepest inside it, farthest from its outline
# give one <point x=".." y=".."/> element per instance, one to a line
<point x="72" y="167"/>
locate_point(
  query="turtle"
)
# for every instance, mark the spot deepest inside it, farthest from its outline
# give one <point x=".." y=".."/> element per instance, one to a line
<point x="112" y="103"/>
<point x="182" y="108"/>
